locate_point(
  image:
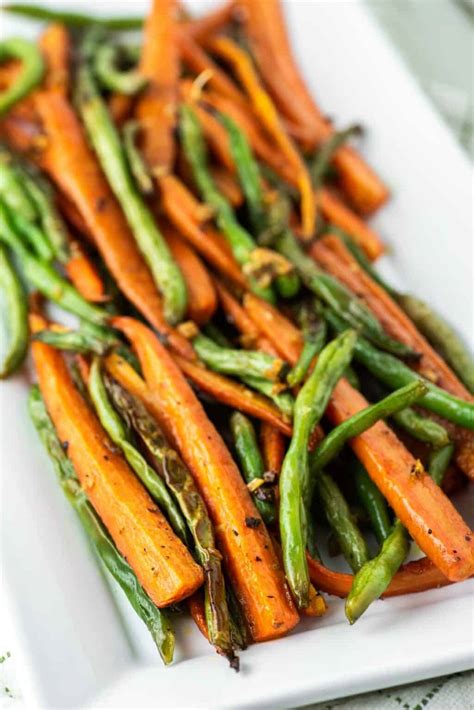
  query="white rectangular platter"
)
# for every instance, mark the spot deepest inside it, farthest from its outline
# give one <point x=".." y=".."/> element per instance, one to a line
<point x="78" y="645"/>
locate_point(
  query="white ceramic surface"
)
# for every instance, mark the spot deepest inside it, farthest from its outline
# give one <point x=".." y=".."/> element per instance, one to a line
<point x="77" y="642"/>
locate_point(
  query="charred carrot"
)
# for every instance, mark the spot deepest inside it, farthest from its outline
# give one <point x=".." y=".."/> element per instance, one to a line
<point x="259" y="583"/>
<point x="272" y="443"/>
<point x="268" y="115"/>
<point x="172" y="188"/>
<point x="74" y="168"/>
<point x="166" y="570"/>
<point x="55" y="47"/>
<point x="156" y="107"/>
<point x="202" y="296"/>
<point x="436" y="526"/>
<point x="84" y="275"/>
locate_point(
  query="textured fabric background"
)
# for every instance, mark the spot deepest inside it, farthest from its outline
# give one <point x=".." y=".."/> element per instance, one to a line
<point x="435" y="38"/>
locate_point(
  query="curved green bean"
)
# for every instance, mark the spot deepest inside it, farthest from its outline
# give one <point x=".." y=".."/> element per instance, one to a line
<point x="373" y="578"/>
<point x="442" y="336"/>
<point x="17" y="314"/>
<point x="28" y="53"/>
<point x="73" y="19"/>
<point x="136" y="163"/>
<point x="421" y="428"/>
<point x="111" y="76"/>
<point x="350" y="539"/>
<point x="239" y="363"/>
<point x="251" y="463"/>
<point x="117" y="431"/>
<point x="373" y="502"/>
<point x="44" y="278"/>
<point x="180" y="481"/>
<point x="156" y="620"/>
<point x="338" y="297"/>
<point x="106" y="142"/>
<point x="310" y="404"/>
<point x="396" y="374"/>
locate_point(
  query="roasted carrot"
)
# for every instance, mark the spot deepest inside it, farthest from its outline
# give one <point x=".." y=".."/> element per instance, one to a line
<point x="161" y="562"/>
<point x="417" y="576"/>
<point x="84" y="275"/>
<point x="202" y="295"/>
<point x="270" y="45"/>
<point x="227" y="185"/>
<point x="72" y="165"/>
<point x="335" y="211"/>
<point x="268" y="115"/>
<point x="74" y="217"/>
<point x="202" y="27"/>
<point x="120" y="107"/>
<point x="419" y="503"/>
<point x="55" y="45"/>
<point x="273" y="447"/>
<point x="157" y="105"/>
<point x="197" y="611"/>
<point x="172" y="188"/>
<point x="248" y="551"/>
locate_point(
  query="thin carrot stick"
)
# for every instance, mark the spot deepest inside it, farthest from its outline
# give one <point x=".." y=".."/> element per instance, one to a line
<point x="273" y="447"/>
<point x="157" y="106"/>
<point x="416" y="576"/>
<point x="419" y="503"/>
<point x="270" y="45"/>
<point x="268" y="115"/>
<point x="74" y="217"/>
<point x="202" y="295"/>
<point x="202" y="27"/>
<point x="248" y="551"/>
<point x="55" y="45"/>
<point x="84" y="275"/>
<point x="72" y="165"/>
<point x="161" y="562"/>
<point x="174" y="189"/>
<point x="336" y="212"/>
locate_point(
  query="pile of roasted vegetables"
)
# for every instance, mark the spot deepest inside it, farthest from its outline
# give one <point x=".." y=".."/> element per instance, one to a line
<point x="240" y="389"/>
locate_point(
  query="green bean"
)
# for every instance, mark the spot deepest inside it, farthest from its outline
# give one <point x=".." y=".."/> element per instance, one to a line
<point x="373" y="503"/>
<point x="239" y="362"/>
<point x="283" y="400"/>
<point x="395" y="374"/>
<point x="314" y="333"/>
<point x="439" y="462"/>
<point x="181" y="483"/>
<point x="241" y="636"/>
<point x="35" y="236"/>
<point x="73" y="19"/>
<point x="17" y="314"/>
<point x="320" y="164"/>
<point x="28" y="53"/>
<point x="352" y="377"/>
<point x="310" y="404"/>
<point x="117" y="431"/>
<point x="251" y="464"/>
<point x="156" y="620"/>
<point x="360" y="257"/>
<point x="421" y="428"/>
<point x="332" y="444"/>
<point x="44" y="278"/>
<point x="111" y="76"/>
<point x="194" y="147"/>
<point x="247" y="171"/>
<point x="52" y="224"/>
<point x="442" y="336"/>
<point x="351" y="541"/>
<point x="338" y="297"/>
<point x="106" y="142"/>
<point x="288" y="285"/>
<point x="81" y="340"/>
<point x="12" y="190"/>
<point x="374" y="577"/>
<point x="136" y="163"/>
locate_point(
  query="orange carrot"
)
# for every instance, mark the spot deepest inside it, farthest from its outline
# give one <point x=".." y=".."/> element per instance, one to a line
<point x="273" y="447"/>
<point x="197" y="611"/>
<point x="416" y="576"/>
<point x="270" y="45"/>
<point x="156" y="107"/>
<point x="55" y="45"/>
<point x="172" y="188"/>
<point x="336" y="212"/>
<point x="202" y="27"/>
<point x="248" y="551"/>
<point x="161" y="562"/>
<point x="268" y="115"/>
<point x="72" y="165"/>
<point x="202" y="295"/>
<point x="74" y="217"/>
<point x="120" y="107"/>
<point x="420" y="504"/>
<point x="227" y="184"/>
<point x="84" y="275"/>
